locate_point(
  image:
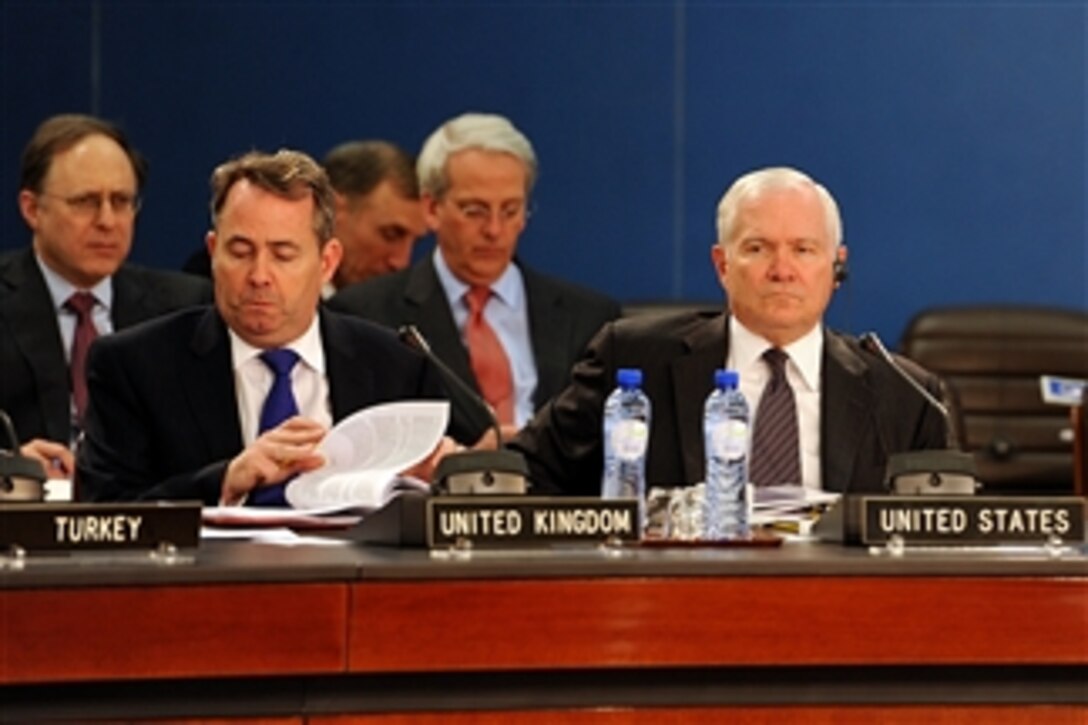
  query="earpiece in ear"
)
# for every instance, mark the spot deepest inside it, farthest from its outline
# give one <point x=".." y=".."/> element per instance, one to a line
<point x="839" y="272"/>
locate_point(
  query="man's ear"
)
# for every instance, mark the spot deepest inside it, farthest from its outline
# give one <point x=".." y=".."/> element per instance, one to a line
<point x="339" y="203"/>
<point x="28" y="207"/>
<point x="429" y="204"/>
<point x="718" y="257"/>
<point x="331" y="254"/>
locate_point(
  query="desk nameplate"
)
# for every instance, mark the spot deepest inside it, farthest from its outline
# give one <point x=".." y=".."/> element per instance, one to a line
<point x="973" y="520"/>
<point x="528" y="521"/>
<point x="76" y="527"/>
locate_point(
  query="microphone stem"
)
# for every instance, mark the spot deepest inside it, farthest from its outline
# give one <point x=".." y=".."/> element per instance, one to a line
<point x="412" y="335"/>
<point x="878" y="346"/>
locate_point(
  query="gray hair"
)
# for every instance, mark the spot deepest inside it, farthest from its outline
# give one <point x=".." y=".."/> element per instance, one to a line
<point x="756" y="182"/>
<point x="485" y="132"/>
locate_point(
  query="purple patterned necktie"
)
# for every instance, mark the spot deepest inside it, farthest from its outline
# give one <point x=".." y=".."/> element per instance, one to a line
<point x="776" y="451"/>
<point x="82" y="305"/>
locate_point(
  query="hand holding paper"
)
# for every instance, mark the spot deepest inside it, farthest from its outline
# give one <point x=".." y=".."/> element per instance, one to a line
<point x="365" y="452"/>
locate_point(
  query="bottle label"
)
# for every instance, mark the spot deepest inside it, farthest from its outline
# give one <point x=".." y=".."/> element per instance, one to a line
<point x="629" y="439"/>
<point x="729" y="439"/>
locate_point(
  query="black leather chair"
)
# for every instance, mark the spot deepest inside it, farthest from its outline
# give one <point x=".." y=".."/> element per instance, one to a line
<point x="638" y="308"/>
<point x="991" y="357"/>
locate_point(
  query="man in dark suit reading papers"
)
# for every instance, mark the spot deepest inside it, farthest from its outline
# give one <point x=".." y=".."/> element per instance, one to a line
<point x="226" y="403"/>
<point x="837" y="411"/>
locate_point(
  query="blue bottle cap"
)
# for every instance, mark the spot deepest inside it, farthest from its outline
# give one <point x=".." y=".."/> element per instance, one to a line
<point x="629" y="377"/>
<point x="726" y="379"/>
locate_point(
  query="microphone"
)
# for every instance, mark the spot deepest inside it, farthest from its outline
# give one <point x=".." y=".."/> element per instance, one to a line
<point x="911" y="473"/>
<point x="22" y="479"/>
<point x="871" y="342"/>
<point x="934" y="471"/>
<point x="472" y="472"/>
<point x="477" y="410"/>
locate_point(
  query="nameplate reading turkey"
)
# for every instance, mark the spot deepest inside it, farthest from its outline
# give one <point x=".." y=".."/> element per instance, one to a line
<point x="528" y="521"/>
<point x="972" y="520"/>
<point x="74" y="527"/>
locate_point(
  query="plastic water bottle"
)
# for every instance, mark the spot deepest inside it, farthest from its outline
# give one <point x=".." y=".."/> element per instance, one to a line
<point x="725" y="432"/>
<point x="626" y="436"/>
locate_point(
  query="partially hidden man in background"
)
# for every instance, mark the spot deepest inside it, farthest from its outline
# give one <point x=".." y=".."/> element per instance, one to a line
<point x="378" y="216"/>
<point x="510" y="333"/>
<point x="832" y="412"/>
<point x="226" y="403"/>
<point x="79" y="192"/>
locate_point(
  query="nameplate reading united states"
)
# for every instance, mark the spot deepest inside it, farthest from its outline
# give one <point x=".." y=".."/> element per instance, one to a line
<point x="528" y="521"/>
<point x="76" y="527"/>
<point x="972" y="519"/>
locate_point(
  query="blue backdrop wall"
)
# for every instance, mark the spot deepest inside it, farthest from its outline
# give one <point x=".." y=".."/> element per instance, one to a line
<point x="952" y="134"/>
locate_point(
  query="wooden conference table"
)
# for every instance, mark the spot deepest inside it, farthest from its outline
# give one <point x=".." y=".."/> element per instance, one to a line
<point x="316" y="633"/>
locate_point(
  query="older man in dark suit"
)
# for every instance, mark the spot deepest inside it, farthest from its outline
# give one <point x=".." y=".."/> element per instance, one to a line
<point x="779" y="258"/>
<point x="225" y="404"/>
<point x="507" y="331"/>
<point x="79" y="194"/>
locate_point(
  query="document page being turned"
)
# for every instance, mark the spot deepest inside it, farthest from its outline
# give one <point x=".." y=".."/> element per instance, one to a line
<point x="365" y="452"/>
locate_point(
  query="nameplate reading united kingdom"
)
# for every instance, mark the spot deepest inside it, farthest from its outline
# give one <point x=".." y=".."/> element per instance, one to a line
<point x="528" y="521"/>
<point x="972" y="519"/>
<point x="76" y="527"/>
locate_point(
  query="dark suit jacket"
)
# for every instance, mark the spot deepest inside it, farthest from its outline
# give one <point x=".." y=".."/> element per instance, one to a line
<point x="866" y="410"/>
<point x="562" y="319"/>
<point x="34" y="386"/>
<point x="163" y="418"/>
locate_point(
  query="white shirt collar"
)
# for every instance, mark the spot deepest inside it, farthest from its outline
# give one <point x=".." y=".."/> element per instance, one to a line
<point x="61" y="289"/>
<point x="508" y="287"/>
<point x="746" y="349"/>
<point x="308" y="346"/>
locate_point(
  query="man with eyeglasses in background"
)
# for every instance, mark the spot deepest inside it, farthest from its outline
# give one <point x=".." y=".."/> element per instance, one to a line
<point x="507" y="331"/>
<point x="79" y="192"/>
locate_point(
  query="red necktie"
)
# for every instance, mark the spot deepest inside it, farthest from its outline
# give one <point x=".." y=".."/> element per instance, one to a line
<point x="776" y="452"/>
<point x="488" y="358"/>
<point x="81" y="303"/>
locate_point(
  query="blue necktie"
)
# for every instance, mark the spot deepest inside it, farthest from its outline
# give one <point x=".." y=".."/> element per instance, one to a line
<point x="278" y="407"/>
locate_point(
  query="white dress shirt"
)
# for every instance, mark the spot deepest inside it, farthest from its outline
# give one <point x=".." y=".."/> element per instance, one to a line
<point x="61" y="289"/>
<point x="253" y="380"/>
<point x="803" y="373"/>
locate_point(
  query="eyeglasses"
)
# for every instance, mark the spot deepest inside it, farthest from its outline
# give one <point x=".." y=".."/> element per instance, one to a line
<point x="90" y="204"/>
<point x="481" y="213"/>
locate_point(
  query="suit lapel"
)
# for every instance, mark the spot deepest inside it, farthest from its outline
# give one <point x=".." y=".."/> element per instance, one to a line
<point x="351" y="382"/>
<point x="846" y="405"/>
<point x="692" y="378"/>
<point x="209" y="387"/>
<point x="129" y="299"/>
<point x="39" y="342"/>
<point x="426" y="307"/>
<point x="550" y="331"/>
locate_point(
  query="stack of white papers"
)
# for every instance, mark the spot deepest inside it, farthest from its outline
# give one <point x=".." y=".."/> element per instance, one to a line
<point x="791" y="507"/>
